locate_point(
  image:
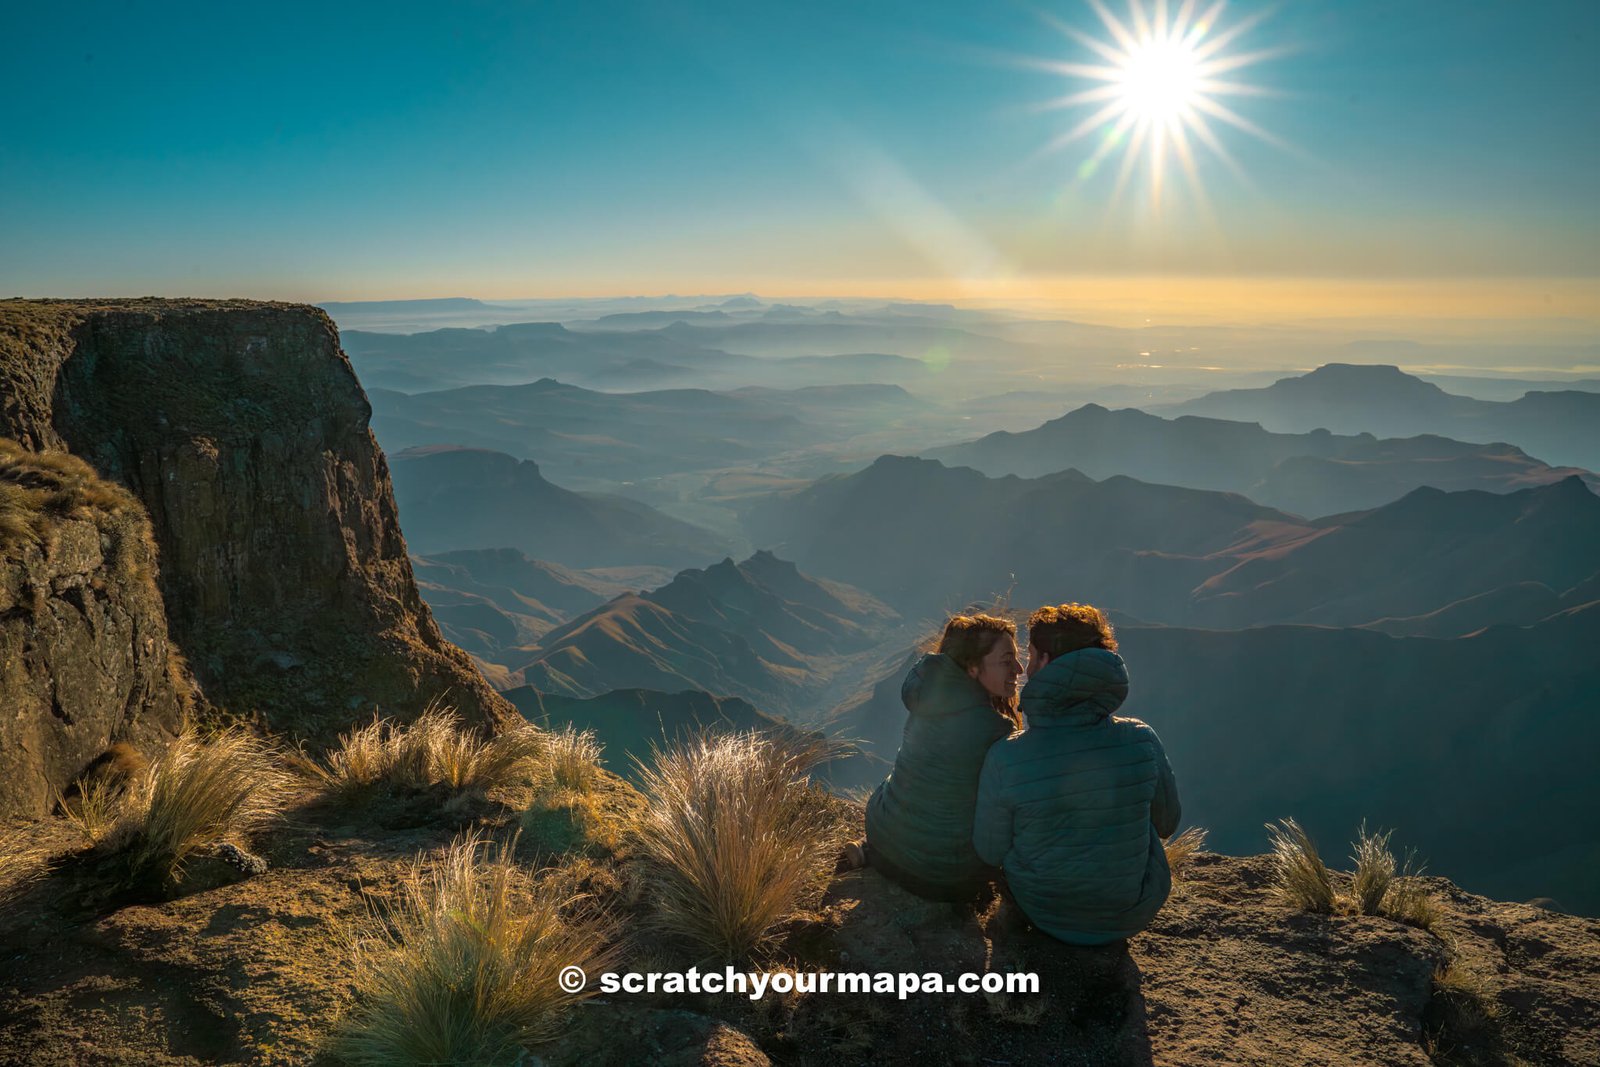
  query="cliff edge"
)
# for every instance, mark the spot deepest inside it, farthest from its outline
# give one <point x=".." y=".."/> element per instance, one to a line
<point x="241" y="428"/>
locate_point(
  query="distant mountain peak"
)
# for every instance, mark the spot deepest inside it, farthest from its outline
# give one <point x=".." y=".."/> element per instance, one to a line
<point x="1360" y="377"/>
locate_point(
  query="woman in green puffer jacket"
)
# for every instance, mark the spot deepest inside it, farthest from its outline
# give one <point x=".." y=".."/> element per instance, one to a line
<point x="961" y="700"/>
<point x="1075" y="809"/>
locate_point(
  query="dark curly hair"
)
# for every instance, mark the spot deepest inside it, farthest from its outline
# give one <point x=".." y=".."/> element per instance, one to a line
<point x="1057" y="629"/>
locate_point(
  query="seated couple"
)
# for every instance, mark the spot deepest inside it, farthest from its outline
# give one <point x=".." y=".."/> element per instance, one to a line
<point x="1065" y="802"/>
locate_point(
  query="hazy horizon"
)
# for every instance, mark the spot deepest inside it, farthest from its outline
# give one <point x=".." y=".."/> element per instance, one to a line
<point x="1262" y="165"/>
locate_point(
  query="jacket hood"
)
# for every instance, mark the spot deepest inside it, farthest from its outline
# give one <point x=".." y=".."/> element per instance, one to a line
<point x="1082" y="686"/>
<point x="937" y="686"/>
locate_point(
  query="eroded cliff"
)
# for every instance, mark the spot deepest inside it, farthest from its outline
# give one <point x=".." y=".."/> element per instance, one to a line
<point x="242" y="429"/>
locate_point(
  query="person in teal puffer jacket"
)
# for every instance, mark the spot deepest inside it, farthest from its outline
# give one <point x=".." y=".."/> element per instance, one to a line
<point x="960" y="700"/>
<point x="1075" y="809"/>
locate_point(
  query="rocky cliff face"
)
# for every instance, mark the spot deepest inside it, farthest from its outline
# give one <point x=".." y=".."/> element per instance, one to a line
<point x="242" y="429"/>
<point x="84" y="655"/>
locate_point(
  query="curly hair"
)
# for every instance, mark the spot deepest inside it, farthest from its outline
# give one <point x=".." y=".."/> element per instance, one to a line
<point x="1057" y="629"/>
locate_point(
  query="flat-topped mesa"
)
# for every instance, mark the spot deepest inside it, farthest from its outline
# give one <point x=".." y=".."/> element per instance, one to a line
<point x="241" y="427"/>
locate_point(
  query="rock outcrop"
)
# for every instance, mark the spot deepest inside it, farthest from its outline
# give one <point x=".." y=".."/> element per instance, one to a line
<point x="241" y="427"/>
<point x="84" y="657"/>
<point x="252" y="973"/>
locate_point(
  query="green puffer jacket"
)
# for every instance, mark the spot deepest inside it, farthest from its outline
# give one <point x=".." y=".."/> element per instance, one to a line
<point x="1075" y="808"/>
<point x="919" y="822"/>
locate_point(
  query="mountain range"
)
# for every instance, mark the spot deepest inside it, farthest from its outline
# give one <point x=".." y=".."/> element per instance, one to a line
<point x="759" y="630"/>
<point x="496" y="602"/>
<point x="1316" y="473"/>
<point x="1559" y="426"/>
<point x="925" y="538"/>
<point x="457" y="498"/>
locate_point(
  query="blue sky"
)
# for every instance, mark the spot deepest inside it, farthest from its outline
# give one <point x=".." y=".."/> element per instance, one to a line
<point x="350" y="151"/>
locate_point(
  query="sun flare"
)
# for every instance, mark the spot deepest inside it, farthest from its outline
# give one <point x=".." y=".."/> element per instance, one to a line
<point x="1159" y="81"/>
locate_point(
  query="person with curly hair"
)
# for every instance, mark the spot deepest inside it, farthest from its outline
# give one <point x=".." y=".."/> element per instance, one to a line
<point x="1075" y="808"/>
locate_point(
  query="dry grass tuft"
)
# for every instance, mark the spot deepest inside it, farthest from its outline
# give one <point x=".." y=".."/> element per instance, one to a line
<point x="465" y="762"/>
<point x="1375" y="870"/>
<point x="465" y="968"/>
<point x="38" y="488"/>
<point x="198" y="794"/>
<point x="22" y="863"/>
<point x="434" y="749"/>
<point x="1181" y="850"/>
<point x="572" y="759"/>
<point x="95" y="808"/>
<point x="1409" y="901"/>
<point x="1301" y="878"/>
<point x="737" y="838"/>
<point x="22" y="519"/>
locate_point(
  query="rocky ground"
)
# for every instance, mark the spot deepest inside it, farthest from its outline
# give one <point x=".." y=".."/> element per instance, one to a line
<point x="256" y="971"/>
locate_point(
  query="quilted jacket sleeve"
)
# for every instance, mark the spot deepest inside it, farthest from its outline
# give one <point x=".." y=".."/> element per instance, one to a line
<point x="1165" y="809"/>
<point x="991" y="829"/>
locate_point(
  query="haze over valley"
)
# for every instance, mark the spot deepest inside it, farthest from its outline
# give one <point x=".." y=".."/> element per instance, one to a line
<point x="775" y="503"/>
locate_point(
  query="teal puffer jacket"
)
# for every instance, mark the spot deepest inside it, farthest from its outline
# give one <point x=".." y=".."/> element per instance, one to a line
<point x="919" y="822"/>
<point x="1075" y="808"/>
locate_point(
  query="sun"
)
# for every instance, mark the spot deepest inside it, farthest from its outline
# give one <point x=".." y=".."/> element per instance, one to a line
<point x="1158" y="89"/>
<point x="1159" y="80"/>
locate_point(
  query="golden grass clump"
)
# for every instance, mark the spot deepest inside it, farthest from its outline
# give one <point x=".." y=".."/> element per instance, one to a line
<point x="22" y="863"/>
<point x="434" y="749"/>
<point x="95" y="808"/>
<point x="1380" y="886"/>
<point x="463" y="761"/>
<point x="198" y="794"/>
<point x="38" y="486"/>
<point x="465" y="968"/>
<point x="22" y="519"/>
<point x="1409" y="901"/>
<point x="1375" y="870"/>
<point x="1181" y="850"/>
<point x="737" y="838"/>
<point x="572" y="759"/>
<point x="1301" y="878"/>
